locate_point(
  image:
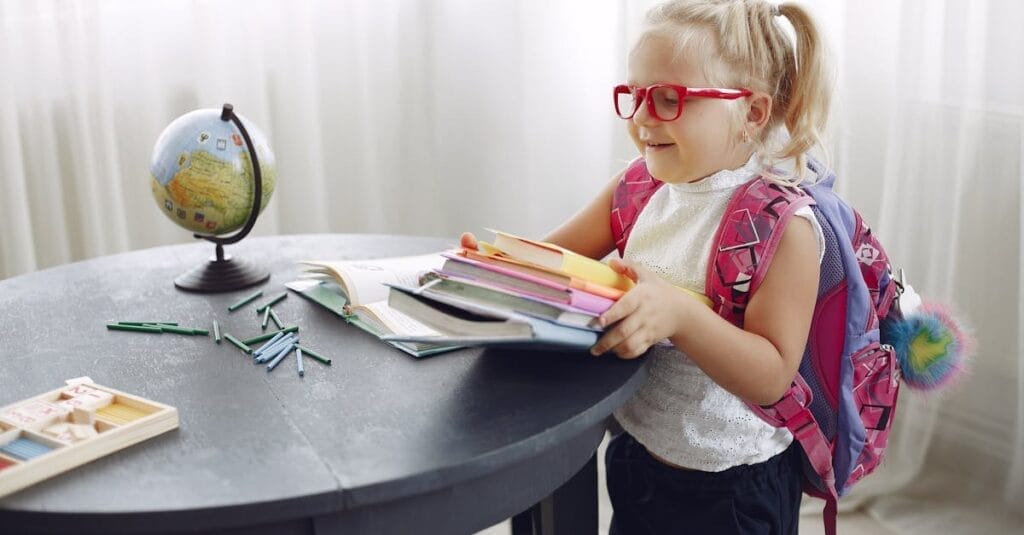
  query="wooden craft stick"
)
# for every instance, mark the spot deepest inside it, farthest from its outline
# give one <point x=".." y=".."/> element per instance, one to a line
<point x="316" y="356"/>
<point x="272" y="302"/>
<point x="238" y="344"/>
<point x="267" y="336"/>
<point x="267" y="345"/>
<point x="277" y="320"/>
<point x="279" y="357"/>
<point x="134" y="328"/>
<point x="271" y="352"/>
<point x="245" y="300"/>
<point x="266" y="318"/>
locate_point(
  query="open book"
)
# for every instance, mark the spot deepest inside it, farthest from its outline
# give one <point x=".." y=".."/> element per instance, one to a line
<point x="356" y="290"/>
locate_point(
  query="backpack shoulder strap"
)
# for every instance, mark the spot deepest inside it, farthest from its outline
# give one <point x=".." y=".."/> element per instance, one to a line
<point x="631" y="195"/>
<point x="744" y="245"/>
<point x="745" y="242"/>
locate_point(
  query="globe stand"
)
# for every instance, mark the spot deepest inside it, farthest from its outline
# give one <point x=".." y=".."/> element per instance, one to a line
<point x="222" y="273"/>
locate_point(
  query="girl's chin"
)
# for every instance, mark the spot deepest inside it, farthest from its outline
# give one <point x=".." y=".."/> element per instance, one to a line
<point x="671" y="174"/>
<point x="671" y="169"/>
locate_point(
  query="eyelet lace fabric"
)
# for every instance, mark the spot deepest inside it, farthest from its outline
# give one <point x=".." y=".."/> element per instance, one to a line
<point x="680" y="414"/>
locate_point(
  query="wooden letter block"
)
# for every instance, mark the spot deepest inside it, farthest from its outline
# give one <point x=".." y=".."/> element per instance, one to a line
<point x="36" y="415"/>
<point x="83" y="416"/>
<point x="60" y="432"/>
<point x="82" y="432"/>
<point x="87" y="398"/>
<point x="76" y="390"/>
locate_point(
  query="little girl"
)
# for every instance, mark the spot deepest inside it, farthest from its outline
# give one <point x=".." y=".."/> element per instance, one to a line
<point x="716" y="94"/>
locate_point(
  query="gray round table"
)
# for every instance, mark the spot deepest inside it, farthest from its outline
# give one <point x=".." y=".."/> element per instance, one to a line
<point x="379" y="442"/>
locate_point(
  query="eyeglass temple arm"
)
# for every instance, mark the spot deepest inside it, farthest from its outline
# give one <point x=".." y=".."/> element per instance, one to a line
<point x="714" y="92"/>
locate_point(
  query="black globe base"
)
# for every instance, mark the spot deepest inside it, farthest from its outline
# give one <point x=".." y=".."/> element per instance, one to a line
<point x="222" y="274"/>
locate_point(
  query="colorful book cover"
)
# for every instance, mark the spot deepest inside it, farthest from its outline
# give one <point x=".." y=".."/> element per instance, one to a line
<point x="469" y="323"/>
<point x="561" y="259"/>
<point x="524" y="283"/>
<point x="515" y="300"/>
<point x="491" y="256"/>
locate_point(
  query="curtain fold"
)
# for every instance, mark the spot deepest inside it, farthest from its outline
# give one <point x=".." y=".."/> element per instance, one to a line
<point x="438" y="116"/>
<point x="931" y="138"/>
<point x="396" y="116"/>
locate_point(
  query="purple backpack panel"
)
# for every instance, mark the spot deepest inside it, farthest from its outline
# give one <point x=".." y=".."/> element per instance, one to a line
<point x="840" y="406"/>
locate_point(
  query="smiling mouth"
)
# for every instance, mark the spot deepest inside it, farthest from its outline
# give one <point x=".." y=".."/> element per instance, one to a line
<point x="659" y="145"/>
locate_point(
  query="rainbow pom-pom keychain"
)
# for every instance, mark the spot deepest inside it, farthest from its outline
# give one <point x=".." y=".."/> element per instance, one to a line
<point x="932" y="345"/>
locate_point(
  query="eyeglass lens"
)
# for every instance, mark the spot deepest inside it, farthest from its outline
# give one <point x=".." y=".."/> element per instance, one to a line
<point x="667" y="104"/>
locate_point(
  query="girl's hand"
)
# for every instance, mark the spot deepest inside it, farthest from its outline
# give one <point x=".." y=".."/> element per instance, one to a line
<point x="468" y="241"/>
<point x="645" y="315"/>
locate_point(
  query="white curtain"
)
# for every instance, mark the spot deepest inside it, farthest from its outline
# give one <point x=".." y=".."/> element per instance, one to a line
<point x="386" y="116"/>
<point x="436" y="116"/>
<point x="930" y="138"/>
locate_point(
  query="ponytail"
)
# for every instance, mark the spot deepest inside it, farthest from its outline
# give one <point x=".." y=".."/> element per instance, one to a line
<point x="808" y="85"/>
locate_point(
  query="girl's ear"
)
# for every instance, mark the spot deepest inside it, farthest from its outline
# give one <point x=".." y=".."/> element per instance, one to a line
<point x="759" y="112"/>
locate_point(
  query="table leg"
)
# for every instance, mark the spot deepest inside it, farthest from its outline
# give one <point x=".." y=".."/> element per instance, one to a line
<point x="570" y="510"/>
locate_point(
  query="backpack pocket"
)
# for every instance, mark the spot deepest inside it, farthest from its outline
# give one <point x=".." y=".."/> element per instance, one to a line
<point x="875" y="378"/>
<point x="875" y="388"/>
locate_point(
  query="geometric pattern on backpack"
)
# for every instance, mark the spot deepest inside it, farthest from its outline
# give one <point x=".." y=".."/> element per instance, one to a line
<point x="841" y="403"/>
<point x="744" y="239"/>
<point x="631" y="194"/>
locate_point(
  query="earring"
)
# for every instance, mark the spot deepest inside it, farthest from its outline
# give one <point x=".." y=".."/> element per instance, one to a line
<point x="745" y="138"/>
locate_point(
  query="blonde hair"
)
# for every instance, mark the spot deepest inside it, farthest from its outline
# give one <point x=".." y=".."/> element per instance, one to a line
<point x="739" y="43"/>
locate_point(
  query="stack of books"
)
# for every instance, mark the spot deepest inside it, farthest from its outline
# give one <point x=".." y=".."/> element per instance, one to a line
<point x="514" y="292"/>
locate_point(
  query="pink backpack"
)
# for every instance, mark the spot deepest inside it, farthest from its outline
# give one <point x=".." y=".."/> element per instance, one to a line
<point x="841" y="403"/>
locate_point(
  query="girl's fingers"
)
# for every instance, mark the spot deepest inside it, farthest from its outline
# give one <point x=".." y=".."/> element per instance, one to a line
<point x="632" y="347"/>
<point x="614" y="337"/>
<point x="624" y="267"/>
<point x="468" y="241"/>
<point x="619" y="310"/>
<point x="638" y="272"/>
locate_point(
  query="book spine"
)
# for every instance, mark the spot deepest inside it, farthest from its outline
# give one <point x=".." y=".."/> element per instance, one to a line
<point x="503" y="278"/>
<point x="557" y="336"/>
<point x="596" y="289"/>
<point x="589" y="302"/>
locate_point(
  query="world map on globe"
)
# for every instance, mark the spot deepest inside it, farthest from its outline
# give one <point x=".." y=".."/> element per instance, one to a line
<point x="201" y="173"/>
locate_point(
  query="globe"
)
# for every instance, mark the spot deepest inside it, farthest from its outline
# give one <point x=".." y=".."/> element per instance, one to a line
<point x="201" y="174"/>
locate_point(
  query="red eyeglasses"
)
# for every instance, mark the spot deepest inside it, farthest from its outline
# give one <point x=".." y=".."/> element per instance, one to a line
<point x="665" y="101"/>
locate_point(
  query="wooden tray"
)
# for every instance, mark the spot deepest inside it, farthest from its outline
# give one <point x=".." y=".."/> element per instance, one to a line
<point x="48" y="434"/>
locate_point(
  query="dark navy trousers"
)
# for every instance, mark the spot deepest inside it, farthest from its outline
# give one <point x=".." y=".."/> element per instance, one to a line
<point x="650" y="497"/>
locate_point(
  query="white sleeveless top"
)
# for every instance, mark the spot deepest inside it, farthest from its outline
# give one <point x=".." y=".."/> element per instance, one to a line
<point x="679" y="413"/>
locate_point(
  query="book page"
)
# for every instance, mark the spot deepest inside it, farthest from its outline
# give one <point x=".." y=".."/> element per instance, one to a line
<point x="397" y="322"/>
<point x="363" y="280"/>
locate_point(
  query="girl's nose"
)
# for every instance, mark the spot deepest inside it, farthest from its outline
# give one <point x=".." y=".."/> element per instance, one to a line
<point x="643" y="117"/>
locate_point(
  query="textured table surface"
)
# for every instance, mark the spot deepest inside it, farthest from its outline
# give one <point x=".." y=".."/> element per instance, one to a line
<point x="377" y="441"/>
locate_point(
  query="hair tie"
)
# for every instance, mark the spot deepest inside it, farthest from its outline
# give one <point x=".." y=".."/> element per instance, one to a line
<point x="775" y="11"/>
